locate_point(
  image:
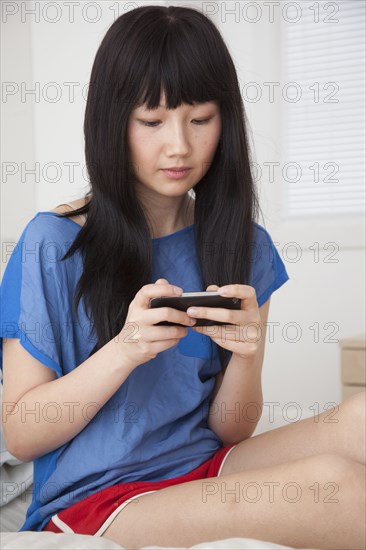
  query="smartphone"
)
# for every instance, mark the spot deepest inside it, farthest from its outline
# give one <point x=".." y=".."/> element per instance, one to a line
<point x="188" y="299"/>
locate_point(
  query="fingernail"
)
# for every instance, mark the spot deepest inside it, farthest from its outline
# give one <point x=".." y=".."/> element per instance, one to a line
<point x="192" y="311"/>
<point x="178" y="290"/>
<point x="223" y="290"/>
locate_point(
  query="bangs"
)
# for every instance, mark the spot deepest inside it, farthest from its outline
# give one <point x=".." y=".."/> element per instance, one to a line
<point x="181" y="66"/>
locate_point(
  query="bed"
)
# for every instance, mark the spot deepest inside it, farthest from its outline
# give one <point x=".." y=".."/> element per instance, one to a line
<point x="16" y="492"/>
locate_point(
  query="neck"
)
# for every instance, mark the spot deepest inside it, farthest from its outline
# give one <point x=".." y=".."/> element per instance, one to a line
<point x="169" y="217"/>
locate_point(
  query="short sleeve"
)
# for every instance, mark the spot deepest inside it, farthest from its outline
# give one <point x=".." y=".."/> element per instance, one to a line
<point x="30" y="296"/>
<point x="268" y="272"/>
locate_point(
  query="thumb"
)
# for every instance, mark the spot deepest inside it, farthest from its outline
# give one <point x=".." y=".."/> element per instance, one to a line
<point x="212" y="287"/>
<point x="161" y="281"/>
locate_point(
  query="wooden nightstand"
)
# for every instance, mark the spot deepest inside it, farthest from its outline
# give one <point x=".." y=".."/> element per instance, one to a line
<point x="353" y="365"/>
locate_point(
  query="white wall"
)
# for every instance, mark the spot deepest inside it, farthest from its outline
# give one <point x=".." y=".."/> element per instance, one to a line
<point x="18" y="198"/>
<point x="326" y="296"/>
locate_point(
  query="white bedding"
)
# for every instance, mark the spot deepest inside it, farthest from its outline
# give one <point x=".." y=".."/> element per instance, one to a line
<point x="50" y="541"/>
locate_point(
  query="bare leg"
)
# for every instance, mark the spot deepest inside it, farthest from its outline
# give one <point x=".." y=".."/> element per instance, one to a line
<point x="315" y="502"/>
<point x="339" y="430"/>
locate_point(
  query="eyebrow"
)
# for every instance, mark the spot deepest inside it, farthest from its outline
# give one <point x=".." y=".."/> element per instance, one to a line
<point x="164" y="106"/>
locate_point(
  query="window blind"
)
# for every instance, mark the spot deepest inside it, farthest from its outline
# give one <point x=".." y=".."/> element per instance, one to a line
<point x="323" y="115"/>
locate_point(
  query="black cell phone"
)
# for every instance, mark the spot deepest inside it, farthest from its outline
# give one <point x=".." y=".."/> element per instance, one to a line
<point x="190" y="299"/>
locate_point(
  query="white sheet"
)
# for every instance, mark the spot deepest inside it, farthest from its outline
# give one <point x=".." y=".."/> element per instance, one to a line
<point x="49" y="541"/>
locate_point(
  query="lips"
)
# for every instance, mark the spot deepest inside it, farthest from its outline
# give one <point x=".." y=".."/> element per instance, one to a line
<point x="176" y="173"/>
<point x="177" y="168"/>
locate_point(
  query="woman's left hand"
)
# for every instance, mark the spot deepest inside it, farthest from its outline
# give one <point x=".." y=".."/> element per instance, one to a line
<point x="243" y="336"/>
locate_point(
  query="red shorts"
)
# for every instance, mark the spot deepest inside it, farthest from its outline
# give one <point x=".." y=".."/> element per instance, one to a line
<point x="94" y="514"/>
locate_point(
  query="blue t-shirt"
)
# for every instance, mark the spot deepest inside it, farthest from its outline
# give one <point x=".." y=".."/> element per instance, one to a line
<point x="155" y="425"/>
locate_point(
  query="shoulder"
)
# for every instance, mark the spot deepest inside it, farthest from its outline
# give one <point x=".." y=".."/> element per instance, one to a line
<point x="45" y="227"/>
<point x="69" y="207"/>
<point x="263" y="243"/>
<point x="43" y="243"/>
<point x="261" y="234"/>
<point x="268" y="271"/>
<point x="264" y="254"/>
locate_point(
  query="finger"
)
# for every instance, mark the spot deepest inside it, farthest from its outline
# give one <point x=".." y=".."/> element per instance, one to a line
<point x="216" y="314"/>
<point x="212" y="288"/>
<point x="147" y="292"/>
<point x="157" y="334"/>
<point x="160" y="281"/>
<point x="246" y="293"/>
<point x="154" y="315"/>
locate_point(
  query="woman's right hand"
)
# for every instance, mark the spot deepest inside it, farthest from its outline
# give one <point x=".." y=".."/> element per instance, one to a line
<point x="139" y="338"/>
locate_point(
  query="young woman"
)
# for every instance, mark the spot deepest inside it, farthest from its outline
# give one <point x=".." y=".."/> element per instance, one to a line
<point x="130" y="425"/>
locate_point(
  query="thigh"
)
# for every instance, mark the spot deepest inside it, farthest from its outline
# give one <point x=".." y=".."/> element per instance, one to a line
<point x="274" y="504"/>
<point x="338" y="430"/>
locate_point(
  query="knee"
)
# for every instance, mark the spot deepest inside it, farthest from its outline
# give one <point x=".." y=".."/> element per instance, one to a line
<point x="343" y="479"/>
<point x="338" y="478"/>
<point x="354" y="409"/>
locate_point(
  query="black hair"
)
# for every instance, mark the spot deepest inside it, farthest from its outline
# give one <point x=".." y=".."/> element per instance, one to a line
<point x="179" y="51"/>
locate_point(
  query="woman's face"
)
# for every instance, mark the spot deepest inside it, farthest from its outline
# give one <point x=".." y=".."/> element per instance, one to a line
<point x="160" y="139"/>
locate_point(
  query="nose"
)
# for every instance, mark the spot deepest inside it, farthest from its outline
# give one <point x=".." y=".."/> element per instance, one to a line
<point x="177" y="141"/>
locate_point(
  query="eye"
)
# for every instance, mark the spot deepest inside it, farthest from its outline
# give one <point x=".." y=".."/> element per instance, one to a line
<point x="148" y="123"/>
<point x="153" y="124"/>
<point x="204" y="121"/>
